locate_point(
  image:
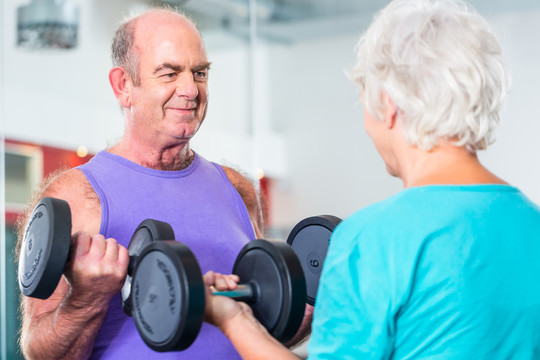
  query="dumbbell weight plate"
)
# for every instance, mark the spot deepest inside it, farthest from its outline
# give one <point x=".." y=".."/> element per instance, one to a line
<point x="45" y="248"/>
<point x="146" y="233"/>
<point x="274" y="270"/>
<point x="310" y="239"/>
<point x="168" y="296"/>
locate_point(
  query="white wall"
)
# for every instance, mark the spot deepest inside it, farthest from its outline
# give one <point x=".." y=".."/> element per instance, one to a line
<point x="334" y="169"/>
<point x="516" y="154"/>
<point x="303" y="98"/>
<point x="333" y="166"/>
<point x="61" y="98"/>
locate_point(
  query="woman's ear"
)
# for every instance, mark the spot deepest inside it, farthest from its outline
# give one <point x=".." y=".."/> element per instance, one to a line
<point x="121" y="85"/>
<point x="389" y="111"/>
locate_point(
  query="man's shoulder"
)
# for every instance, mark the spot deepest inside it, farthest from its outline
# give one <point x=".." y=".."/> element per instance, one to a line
<point x="238" y="178"/>
<point x="244" y="185"/>
<point x="66" y="183"/>
<point x="69" y="185"/>
<point x="249" y="194"/>
<point x="72" y="186"/>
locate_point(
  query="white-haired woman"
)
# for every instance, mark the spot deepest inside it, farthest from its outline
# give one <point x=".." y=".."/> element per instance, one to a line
<point x="448" y="268"/>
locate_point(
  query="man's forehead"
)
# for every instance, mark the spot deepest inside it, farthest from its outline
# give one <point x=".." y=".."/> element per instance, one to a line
<point x="167" y="38"/>
<point x="164" y="22"/>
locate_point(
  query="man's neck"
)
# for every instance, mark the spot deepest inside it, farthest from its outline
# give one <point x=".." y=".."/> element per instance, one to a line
<point x="168" y="158"/>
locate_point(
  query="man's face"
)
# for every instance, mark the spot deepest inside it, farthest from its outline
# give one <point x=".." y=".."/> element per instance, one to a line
<point x="169" y="104"/>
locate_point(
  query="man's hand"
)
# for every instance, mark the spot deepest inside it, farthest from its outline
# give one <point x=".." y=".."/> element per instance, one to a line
<point x="97" y="269"/>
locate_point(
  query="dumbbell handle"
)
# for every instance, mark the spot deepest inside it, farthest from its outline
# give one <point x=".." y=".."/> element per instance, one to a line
<point x="131" y="264"/>
<point x="243" y="292"/>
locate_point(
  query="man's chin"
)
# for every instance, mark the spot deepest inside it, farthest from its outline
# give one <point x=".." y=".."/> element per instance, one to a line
<point x="185" y="133"/>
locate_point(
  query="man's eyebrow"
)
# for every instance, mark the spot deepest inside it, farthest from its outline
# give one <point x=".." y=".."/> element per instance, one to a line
<point x="169" y="66"/>
<point x="179" y="68"/>
<point x="201" y="66"/>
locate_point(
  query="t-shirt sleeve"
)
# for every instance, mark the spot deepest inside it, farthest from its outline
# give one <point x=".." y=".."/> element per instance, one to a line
<point x="353" y="316"/>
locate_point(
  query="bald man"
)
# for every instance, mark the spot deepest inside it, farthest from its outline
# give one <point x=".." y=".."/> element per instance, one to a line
<point x="160" y="78"/>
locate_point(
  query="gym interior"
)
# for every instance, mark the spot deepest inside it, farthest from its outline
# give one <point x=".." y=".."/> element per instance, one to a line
<point x="282" y="107"/>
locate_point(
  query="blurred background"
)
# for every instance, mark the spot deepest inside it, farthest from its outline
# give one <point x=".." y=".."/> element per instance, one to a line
<point x="281" y="105"/>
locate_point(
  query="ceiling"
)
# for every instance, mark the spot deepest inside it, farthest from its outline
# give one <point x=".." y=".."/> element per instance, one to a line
<point x="291" y="20"/>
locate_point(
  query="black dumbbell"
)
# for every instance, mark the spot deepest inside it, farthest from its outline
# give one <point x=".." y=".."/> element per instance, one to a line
<point x="310" y="239"/>
<point x="167" y="282"/>
<point x="168" y="289"/>
<point x="46" y="248"/>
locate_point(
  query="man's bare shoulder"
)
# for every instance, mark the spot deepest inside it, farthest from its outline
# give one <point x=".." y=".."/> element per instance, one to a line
<point x="69" y="185"/>
<point x="238" y="178"/>
<point x="250" y="195"/>
<point x="72" y="186"/>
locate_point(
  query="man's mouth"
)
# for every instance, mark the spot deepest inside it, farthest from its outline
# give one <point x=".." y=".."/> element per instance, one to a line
<point x="182" y="109"/>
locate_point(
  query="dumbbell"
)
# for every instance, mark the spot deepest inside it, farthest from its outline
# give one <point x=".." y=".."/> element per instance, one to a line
<point x="46" y="248"/>
<point x="273" y="284"/>
<point x="310" y="239"/>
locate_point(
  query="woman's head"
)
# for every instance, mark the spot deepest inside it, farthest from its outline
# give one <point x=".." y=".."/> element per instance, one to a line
<point x="441" y="64"/>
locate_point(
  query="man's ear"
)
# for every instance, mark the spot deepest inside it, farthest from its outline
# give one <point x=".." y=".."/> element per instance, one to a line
<point x="121" y="85"/>
<point x="390" y="110"/>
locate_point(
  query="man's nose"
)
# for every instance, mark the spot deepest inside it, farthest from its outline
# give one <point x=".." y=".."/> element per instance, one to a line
<point x="187" y="87"/>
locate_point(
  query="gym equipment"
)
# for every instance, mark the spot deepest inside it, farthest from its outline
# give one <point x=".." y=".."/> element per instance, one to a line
<point x="164" y="289"/>
<point x="46" y="247"/>
<point x="310" y="239"/>
<point x="46" y="250"/>
<point x="167" y="296"/>
<point x="166" y="277"/>
<point x="146" y="233"/>
<point x="274" y="274"/>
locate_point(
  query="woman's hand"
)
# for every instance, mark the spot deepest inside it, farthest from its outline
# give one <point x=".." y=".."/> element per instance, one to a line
<point x="220" y="310"/>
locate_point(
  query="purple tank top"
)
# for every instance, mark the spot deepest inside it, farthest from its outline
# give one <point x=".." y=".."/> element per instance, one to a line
<point x="206" y="213"/>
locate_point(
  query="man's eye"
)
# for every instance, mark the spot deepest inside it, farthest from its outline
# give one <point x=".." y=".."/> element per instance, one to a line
<point x="169" y="75"/>
<point x="202" y="75"/>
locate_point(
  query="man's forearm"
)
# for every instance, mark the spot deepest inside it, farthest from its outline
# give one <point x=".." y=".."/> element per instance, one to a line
<point x="68" y="332"/>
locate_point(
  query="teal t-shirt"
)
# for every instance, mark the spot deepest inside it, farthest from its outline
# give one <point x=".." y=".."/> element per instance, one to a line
<point x="434" y="272"/>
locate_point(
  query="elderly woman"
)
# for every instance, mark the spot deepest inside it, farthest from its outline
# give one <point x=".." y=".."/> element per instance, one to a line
<point x="448" y="268"/>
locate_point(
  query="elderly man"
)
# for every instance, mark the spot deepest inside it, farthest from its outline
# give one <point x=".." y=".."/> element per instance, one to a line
<point x="447" y="268"/>
<point x="160" y="78"/>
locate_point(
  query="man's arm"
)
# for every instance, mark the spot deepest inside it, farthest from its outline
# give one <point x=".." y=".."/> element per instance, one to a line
<point x="65" y="325"/>
<point x="252" y="198"/>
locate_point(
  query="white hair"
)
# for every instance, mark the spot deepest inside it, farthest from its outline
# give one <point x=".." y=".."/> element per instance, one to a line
<point x="440" y="63"/>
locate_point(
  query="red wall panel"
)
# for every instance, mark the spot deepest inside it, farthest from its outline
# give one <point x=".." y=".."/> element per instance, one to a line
<point x="53" y="158"/>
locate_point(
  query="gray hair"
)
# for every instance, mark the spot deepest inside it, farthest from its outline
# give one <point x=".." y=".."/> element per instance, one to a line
<point x="441" y="64"/>
<point x="122" y="53"/>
